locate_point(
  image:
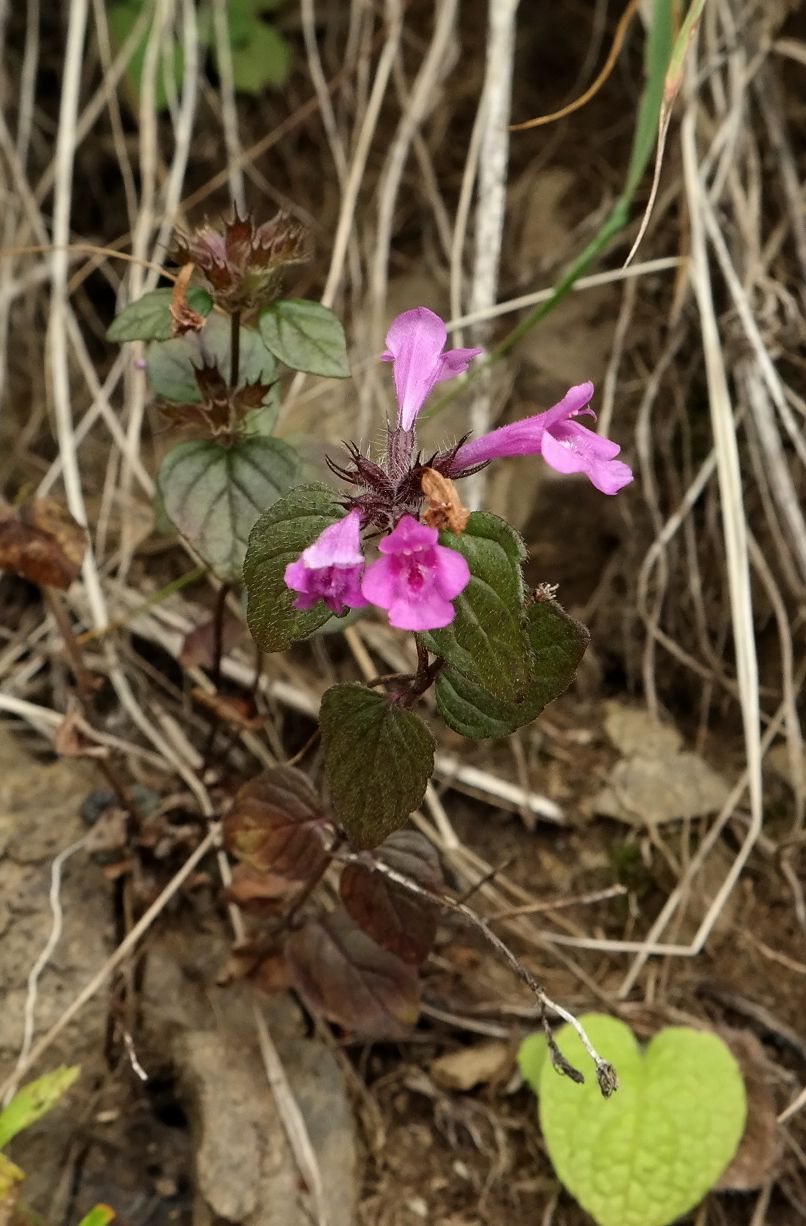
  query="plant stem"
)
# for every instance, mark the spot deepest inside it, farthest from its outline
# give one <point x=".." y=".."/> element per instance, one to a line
<point x="234" y="348"/>
<point x="215" y="672"/>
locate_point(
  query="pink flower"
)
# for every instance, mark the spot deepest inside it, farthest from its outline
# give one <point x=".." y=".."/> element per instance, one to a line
<point x="416" y="579"/>
<point x="330" y="569"/>
<point x="415" y="343"/>
<point x="565" y="444"/>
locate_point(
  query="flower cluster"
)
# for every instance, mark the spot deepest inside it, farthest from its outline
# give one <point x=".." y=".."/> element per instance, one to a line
<point x="416" y="579"/>
<point x="241" y="264"/>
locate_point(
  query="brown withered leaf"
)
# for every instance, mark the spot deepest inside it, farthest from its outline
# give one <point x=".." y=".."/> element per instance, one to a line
<point x="394" y="917"/>
<point x="184" y="318"/>
<point x="340" y="972"/>
<point x="276" y="822"/>
<point x="199" y="645"/>
<point x="445" y="508"/>
<point x="41" y="542"/>
<point x="758" y="1158"/>
<point x="260" y="893"/>
<point x="229" y="708"/>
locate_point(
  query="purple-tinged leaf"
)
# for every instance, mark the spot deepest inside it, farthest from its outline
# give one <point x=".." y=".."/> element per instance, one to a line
<point x="340" y="972"/>
<point x="276" y="824"/>
<point x="399" y="920"/>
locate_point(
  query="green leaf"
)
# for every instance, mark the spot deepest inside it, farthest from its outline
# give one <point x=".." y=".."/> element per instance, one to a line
<point x="378" y="760"/>
<point x="149" y="318"/>
<point x="263" y="59"/>
<point x="99" y="1215"/>
<point x="558" y="644"/>
<point x="213" y="494"/>
<point x="279" y="537"/>
<point x="648" y="1154"/>
<point x="532" y="1056"/>
<point x="172" y="364"/>
<point x="171" y="58"/>
<point x="305" y="336"/>
<point x="34" y="1100"/>
<point x="486" y="642"/>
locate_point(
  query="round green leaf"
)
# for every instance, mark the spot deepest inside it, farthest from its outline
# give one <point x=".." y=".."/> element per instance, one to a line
<point x="149" y="318"/>
<point x="305" y="336"/>
<point x="486" y="642"/>
<point x="648" y="1154"/>
<point x="378" y="760"/>
<point x="558" y="643"/>
<point x="263" y="58"/>
<point x="214" y="494"/>
<point x="172" y="364"/>
<point x="279" y="537"/>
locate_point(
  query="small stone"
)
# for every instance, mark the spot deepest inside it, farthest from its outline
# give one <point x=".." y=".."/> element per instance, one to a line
<point x="472" y="1066"/>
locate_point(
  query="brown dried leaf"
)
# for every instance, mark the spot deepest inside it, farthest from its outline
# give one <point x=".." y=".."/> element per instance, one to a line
<point x="276" y="822"/>
<point x="230" y="709"/>
<point x="758" y="1157"/>
<point x="199" y="645"/>
<point x="184" y="318"/>
<point x="398" y="920"/>
<point x="260" y="893"/>
<point x="445" y="509"/>
<point x="342" y="973"/>
<point x="41" y="541"/>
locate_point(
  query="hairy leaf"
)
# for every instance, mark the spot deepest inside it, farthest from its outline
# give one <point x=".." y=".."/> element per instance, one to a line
<point x="558" y="644"/>
<point x="149" y="318"/>
<point x="34" y="1100"/>
<point x="279" y="537"/>
<point x="41" y="542"/>
<point x="378" y="760"/>
<point x="340" y="972"/>
<point x="649" y="1154"/>
<point x="275" y="822"/>
<point x="397" y="919"/>
<point x="172" y="365"/>
<point x="214" y="494"/>
<point x="486" y="642"/>
<point x="305" y="336"/>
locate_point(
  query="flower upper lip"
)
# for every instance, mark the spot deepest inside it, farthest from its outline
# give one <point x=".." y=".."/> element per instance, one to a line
<point x="415" y="343"/>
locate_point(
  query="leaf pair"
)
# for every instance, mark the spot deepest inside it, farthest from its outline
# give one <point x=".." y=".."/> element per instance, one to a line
<point x="213" y="491"/>
<point x="357" y="966"/>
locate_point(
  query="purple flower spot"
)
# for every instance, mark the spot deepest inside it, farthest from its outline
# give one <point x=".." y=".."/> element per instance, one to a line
<point x="416" y="579"/>
<point x="330" y="569"/>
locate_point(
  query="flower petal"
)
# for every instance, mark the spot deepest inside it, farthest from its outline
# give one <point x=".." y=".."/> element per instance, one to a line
<point x="407" y="536"/>
<point x="455" y="362"/>
<point x="571" y="448"/>
<point x="453" y="572"/>
<point x="338" y="545"/>
<point x="428" y="611"/>
<point x="414" y="343"/>
<point x="522" y="437"/>
<point x="378" y="582"/>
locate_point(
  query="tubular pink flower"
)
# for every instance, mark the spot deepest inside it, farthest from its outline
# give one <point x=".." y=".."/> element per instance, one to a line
<point x="330" y="569"/>
<point x="416" y="579"/>
<point x="415" y="343"/>
<point x="565" y="444"/>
